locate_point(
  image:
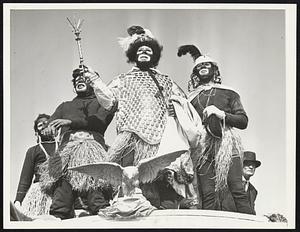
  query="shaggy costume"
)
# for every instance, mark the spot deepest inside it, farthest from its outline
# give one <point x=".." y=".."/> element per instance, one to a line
<point x="29" y="194"/>
<point x="81" y="143"/>
<point x="218" y="159"/>
<point x="140" y="98"/>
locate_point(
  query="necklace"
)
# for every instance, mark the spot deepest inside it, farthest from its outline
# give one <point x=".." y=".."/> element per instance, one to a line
<point x="44" y="150"/>
<point x="212" y="92"/>
<point x="56" y="141"/>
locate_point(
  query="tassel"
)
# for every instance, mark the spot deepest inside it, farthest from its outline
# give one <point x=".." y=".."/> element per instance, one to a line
<point x="229" y="146"/>
<point x="222" y="151"/>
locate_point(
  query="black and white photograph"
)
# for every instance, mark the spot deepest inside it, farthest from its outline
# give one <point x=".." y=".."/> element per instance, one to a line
<point x="149" y="116"/>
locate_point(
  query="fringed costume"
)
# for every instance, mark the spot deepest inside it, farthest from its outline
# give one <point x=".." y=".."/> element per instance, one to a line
<point x="33" y="201"/>
<point x="218" y="158"/>
<point x="141" y="115"/>
<point x="140" y="98"/>
<point x="82" y="142"/>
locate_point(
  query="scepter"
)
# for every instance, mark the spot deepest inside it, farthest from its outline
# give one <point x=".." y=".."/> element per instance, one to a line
<point x="76" y="30"/>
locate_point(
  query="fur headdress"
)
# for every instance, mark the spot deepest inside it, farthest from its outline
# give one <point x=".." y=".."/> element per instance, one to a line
<point x="139" y="36"/>
<point x="136" y="33"/>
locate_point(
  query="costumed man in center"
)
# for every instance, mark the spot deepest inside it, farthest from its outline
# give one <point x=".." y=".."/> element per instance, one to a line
<point x="218" y="159"/>
<point x="30" y="200"/>
<point x="82" y="123"/>
<point x="140" y="99"/>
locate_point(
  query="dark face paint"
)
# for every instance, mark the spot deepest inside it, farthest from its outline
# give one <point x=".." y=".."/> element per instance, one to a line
<point x="82" y="86"/>
<point x="144" y="57"/>
<point x="41" y="124"/>
<point x="203" y="73"/>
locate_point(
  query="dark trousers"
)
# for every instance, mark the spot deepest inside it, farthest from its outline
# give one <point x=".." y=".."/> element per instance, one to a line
<point x="64" y="198"/>
<point x="206" y="183"/>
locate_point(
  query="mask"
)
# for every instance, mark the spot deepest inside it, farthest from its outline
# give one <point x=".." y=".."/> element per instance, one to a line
<point x="143" y="57"/>
<point x="41" y="124"/>
<point x="204" y="72"/>
<point x="82" y="86"/>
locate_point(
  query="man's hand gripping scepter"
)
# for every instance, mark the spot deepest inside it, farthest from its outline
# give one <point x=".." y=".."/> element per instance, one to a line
<point x="86" y="72"/>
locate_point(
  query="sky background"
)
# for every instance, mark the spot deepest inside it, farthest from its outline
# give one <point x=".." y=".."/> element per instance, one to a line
<point x="248" y="45"/>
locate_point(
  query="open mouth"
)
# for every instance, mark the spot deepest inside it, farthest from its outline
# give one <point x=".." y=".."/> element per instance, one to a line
<point x="204" y="71"/>
<point x="80" y="86"/>
<point x="144" y="57"/>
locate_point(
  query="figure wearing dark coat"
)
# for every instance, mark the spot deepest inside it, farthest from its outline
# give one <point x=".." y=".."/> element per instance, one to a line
<point x="91" y="120"/>
<point x="227" y="100"/>
<point x="34" y="157"/>
<point x="86" y="114"/>
<point x="227" y="202"/>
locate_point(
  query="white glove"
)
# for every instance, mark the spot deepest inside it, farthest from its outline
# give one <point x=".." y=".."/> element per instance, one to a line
<point x="90" y="74"/>
<point x="18" y="205"/>
<point x="209" y="110"/>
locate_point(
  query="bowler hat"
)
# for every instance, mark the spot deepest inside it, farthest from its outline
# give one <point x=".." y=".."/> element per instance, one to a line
<point x="251" y="156"/>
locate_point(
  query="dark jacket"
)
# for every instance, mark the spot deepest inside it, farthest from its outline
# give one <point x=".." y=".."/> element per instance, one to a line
<point x="227" y="202"/>
<point x="226" y="100"/>
<point x="34" y="157"/>
<point x="86" y="114"/>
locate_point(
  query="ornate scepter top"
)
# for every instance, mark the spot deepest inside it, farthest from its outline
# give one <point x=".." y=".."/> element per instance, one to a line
<point x="76" y="28"/>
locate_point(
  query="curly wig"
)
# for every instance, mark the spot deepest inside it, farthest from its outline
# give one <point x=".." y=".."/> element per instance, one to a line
<point x="152" y="43"/>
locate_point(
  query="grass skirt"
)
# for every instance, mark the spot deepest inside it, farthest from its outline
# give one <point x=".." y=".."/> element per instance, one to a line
<point x="221" y="151"/>
<point x="36" y="202"/>
<point x="127" y="142"/>
<point x="73" y="154"/>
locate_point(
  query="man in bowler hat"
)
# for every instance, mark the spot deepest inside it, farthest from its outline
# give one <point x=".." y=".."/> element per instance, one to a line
<point x="250" y="163"/>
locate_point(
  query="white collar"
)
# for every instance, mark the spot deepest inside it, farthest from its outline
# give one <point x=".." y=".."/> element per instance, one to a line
<point x="244" y="179"/>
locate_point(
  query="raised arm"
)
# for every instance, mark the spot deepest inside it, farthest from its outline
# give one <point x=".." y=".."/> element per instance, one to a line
<point x="176" y="90"/>
<point x="107" y="95"/>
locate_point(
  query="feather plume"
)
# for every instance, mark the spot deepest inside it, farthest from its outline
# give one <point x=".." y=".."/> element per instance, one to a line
<point x="135" y="32"/>
<point x="126" y="41"/>
<point x="192" y="49"/>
